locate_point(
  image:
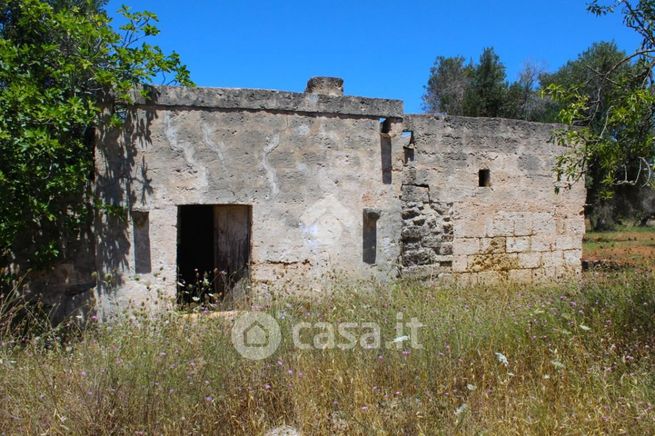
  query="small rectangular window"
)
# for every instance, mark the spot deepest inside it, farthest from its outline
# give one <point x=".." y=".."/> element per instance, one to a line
<point x="484" y="178"/>
<point x="370" y="235"/>
<point x="141" y="230"/>
<point x="385" y="151"/>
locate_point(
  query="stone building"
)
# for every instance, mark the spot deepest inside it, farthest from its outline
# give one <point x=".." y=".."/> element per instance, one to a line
<point x="290" y="189"/>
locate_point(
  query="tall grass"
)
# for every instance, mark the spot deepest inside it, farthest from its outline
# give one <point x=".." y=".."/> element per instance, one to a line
<point x="498" y="360"/>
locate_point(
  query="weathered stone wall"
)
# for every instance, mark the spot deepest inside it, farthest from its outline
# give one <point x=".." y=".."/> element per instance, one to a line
<point x="308" y="164"/>
<point x="517" y="228"/>
<point x="334" y="186"/>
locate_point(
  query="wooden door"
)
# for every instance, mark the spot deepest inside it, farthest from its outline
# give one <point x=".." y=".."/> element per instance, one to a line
<point x="232" y="245"/>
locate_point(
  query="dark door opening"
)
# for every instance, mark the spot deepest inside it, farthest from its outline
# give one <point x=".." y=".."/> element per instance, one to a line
<point x="213" y="251"/>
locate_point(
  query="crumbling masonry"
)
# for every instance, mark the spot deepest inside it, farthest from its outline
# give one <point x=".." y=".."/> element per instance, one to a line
<point x="279" y="189"/>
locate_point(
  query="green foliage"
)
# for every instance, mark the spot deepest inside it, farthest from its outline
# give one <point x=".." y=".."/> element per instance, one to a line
<point x="448" y="82"/>
<point x="485" y="97"/>
<point x="481" y="90"/>
<point x="606" y="96"/>
<point x="61" y="64"/>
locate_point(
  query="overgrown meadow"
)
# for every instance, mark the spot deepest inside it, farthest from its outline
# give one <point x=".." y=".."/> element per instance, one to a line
<point x="571" y="358"/>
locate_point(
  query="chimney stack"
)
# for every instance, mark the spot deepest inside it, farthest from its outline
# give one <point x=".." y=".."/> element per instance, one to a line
<point x="332" y="86"/>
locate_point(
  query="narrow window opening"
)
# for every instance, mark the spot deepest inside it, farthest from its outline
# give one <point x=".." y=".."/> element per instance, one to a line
<point x="385" y="125"/>
<point x="141" y="233"/>
<point x="408" y="147"/>
<point x="370" y="236"/>
<point x="484" y="178"/>
<point x="385" y="151"/>
<point x="409" y="154"/>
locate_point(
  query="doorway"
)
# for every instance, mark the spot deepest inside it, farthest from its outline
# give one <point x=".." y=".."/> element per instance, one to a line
<point x="213" y="251"/>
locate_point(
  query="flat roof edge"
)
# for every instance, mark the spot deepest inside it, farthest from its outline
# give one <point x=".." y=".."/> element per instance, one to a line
<point x="262" y="99"/>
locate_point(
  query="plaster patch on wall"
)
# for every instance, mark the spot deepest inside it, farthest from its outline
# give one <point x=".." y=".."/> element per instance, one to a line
<point x="271" y="175"/>
<point x="327" y="220"/>
<point x="302" y="130"/>
<point x="207" y="139"/>
<point x="188" y="151"/>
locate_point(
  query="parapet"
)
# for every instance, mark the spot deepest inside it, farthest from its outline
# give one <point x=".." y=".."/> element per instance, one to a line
<point x="323" y="96"/>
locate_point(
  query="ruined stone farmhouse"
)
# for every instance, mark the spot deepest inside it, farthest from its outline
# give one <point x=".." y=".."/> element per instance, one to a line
<point x="282" y="189"/>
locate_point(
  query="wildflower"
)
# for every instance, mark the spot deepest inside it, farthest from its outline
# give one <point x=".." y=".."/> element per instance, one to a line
<point x="406" y="353"/>
<point x="461" y="409"/>
<point x="397" y="393"/>
<point x="557" y="364"/>
<point x="502" y="359"/>
<point x="83" y="373"/>
<point x="267" y="386"/>
<point x="290" y="371"/>
<point x="364" y="408"/>
<point x="209" y="399"/>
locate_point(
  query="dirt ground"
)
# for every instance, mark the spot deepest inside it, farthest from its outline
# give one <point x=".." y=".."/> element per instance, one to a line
<point x="629" y="247"/>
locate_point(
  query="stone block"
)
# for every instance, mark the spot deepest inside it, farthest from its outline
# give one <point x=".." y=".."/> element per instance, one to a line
<point x="530" y="260"/>
<point x="489" y="277"/>
<point x="560" y="226"/>
<point x="441" y="208"/>
<point x="572" y="257"/>
<point x="543" y="224"/>
<point x="413" y="232"/>
<point x="446" y="249"/>
<point x="442" y="259"/>
<point x="575" y="226"/>
<point x="467" y="279"/>
<point x="418" y="257"/>
<point x="541" y="243"/>
<point x="552" y="259"/>
<point x="472" y="227"/>
<point x="417" y="194"/>
<point x="568" y="242"/>
<point x="466" y="246"/>
<point x="493" y="245"/>
<point x="418" y="221"/>
<point x="523" y="226"/>
<point x="520" y="275"/>
<point x="411" y="212"/>
<point x="500" y="226"/>
<point x="460" y="263"/>
<point x="421" y="272"/>
<point x="518" y="244"/>
<point x="432" y="241"/>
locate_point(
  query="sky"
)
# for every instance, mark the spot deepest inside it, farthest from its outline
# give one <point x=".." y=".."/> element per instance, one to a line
<point x="380" y="48"/>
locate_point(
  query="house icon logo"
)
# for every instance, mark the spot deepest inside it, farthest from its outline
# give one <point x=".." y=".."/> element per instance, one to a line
<point x="256" y="335"/>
